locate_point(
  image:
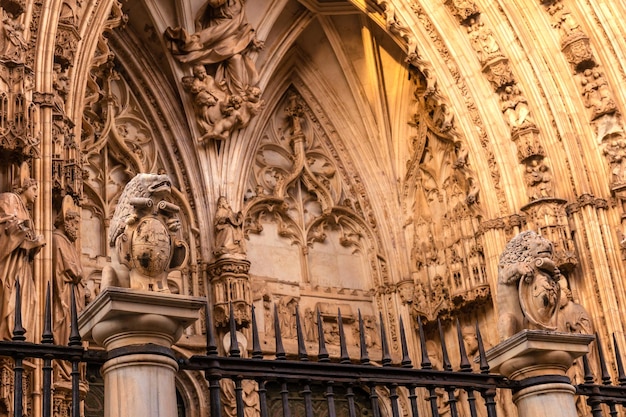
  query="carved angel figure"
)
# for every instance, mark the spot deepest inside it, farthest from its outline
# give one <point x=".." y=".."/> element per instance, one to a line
<point x="528" y="285"/>
<point x="223" y="36"/>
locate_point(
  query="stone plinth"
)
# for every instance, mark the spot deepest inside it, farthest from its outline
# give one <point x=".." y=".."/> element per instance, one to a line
<point x="138" y="329"/>
<point x="539" y="360"/>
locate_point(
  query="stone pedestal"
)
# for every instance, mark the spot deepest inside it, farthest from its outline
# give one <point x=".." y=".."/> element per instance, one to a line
<point x="539" y="360"/>
<point x="137" y="329"/>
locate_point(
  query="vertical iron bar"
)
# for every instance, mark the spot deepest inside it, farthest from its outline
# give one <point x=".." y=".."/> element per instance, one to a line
<point x="330" y="399"/>
<point x="589" y="377"/>
<point x="211" y="345"/>
<point x="612" y="409"/>
<point x="393" y="396"/>
<point x="386" y="359"/>
<point x="75" y="387"/>
<point x="434" y="409"/>
<point x="452" y="402"/>
<point x="47" y="338"/>
<point x="606" y="378"/>
<point x="406" y="359"/>
<point x="18" y="329"/>
<point x="374" y="401"/>
<point x="18" y="368"/>
<point x="263" y="398"/>
<point x="239" y="397"/>
<point x="447" y="366"/>
<point x="365" y="359"/>
<point x="465" y="365"/>
<point x="302" y="353"/>
<point x="350" y="398"/>
<point x="413" y="401"/>
<point x="490" y="401"/>
<point x="471" y="399"/>
<point x="621" y="377"/>
<point x="257" y="353"/>
<point x="596" y="406"/>
<point x="214" y="389"/>
<point x="212" y="375"/>
<point x="280" y="349"/>
<point x="234" y="343"/>
<point x="426" y="364"/>
<point x="308" y="401"/>
<point x="284" y="394"/>
<point x="344" y="357"/>
<point x="18" y="395"/>
<point x="322" y="355"/>
<point x="75" y="339"/>
<point x="484" y="365"/>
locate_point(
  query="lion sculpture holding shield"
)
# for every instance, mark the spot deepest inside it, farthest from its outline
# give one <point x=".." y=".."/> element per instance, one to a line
<point x="528" y="285"/>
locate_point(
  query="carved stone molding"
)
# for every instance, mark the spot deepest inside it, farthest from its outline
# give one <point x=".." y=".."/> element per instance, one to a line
<point x="549" y="217"/>
<point x="577" y="50"/>
<point x="463" y="10"/>
<point x="230" y="285"/>
<point x="66" y="43"/>
<point x="498" y="72"/>
<point x="527" y="142"/>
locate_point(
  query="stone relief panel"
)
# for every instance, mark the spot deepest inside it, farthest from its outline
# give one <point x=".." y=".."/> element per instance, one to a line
<point x="443" y="215"/>
<point x="309" y="244"/>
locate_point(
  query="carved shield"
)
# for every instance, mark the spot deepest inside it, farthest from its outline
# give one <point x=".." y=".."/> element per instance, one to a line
<point x="539" y="300"/>
<point x="150" y="247"/>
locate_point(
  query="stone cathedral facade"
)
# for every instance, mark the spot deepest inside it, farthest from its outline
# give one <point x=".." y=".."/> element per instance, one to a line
<point x="372" y="156"/>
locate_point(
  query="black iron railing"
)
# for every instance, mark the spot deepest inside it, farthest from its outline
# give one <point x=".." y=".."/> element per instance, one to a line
<point x="312" y="383"/>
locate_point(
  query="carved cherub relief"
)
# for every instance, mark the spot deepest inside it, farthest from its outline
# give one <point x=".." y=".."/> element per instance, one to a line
<point x="226" y="99"/>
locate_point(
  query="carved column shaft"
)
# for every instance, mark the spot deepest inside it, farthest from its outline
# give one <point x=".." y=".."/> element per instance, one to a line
<point x="230" y="283"/>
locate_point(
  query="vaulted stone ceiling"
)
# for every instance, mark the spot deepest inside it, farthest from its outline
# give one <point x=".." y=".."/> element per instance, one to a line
<point x="502" y="93"/>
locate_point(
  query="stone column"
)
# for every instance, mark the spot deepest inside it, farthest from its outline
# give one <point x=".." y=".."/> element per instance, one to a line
<point x="539" y="360"/>
<point x="138" y="329"/>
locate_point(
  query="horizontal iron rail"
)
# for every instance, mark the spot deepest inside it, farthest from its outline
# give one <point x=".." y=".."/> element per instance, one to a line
<point x="229" y="367"/>
<point x="61" y="352"/>
<point x="603" y="393"/>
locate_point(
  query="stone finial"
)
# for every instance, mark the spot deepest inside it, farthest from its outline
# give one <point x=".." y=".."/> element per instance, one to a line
<point x="528" y="285"/>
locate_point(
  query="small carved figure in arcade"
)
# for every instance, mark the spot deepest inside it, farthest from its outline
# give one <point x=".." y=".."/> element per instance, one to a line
<point x="67" y="272"/>
<point x="229" y="238"/>
<point x="528" y="293"/>
<point x="19" y="244"/>
<point x="143" y="236"/>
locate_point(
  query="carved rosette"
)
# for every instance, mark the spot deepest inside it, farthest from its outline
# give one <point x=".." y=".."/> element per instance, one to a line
<point x="230" y="284"/>
<point x="549" y="217"/>
<point x="577" y="50"/>
<point x="66" y="44"/>
<point x="498" y="72"/>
